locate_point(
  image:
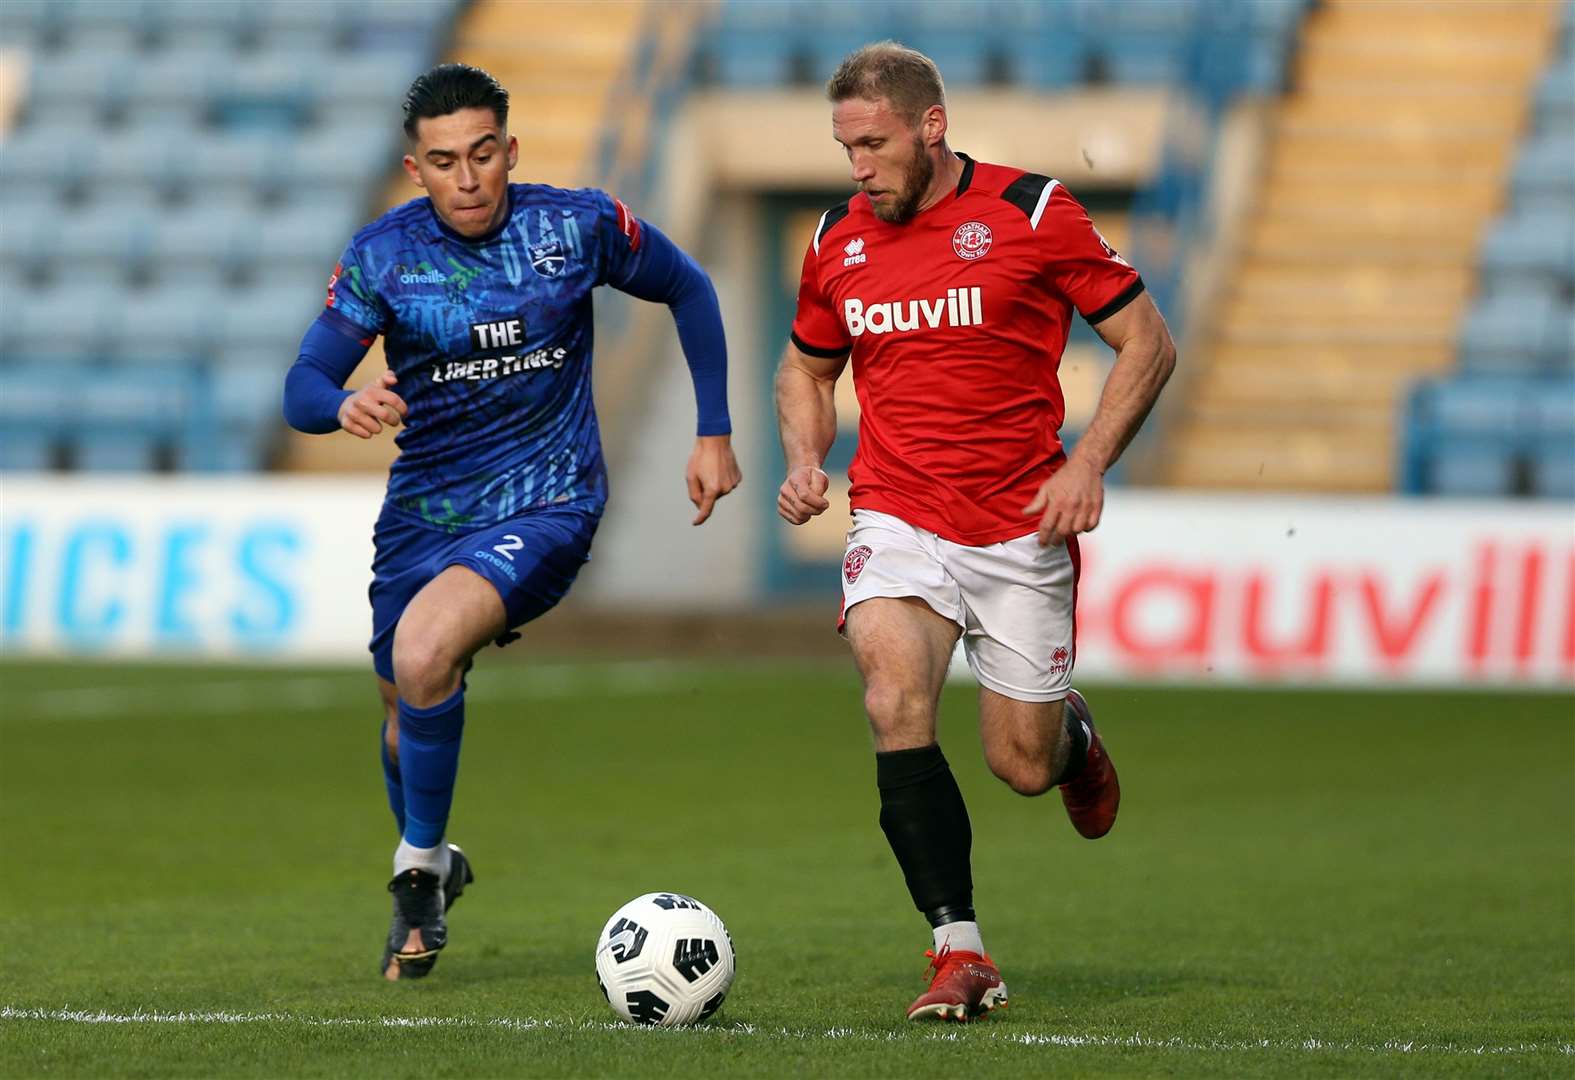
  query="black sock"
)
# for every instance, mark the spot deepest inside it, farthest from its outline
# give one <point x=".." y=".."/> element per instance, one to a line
<point x="926" y="822"/>
<point x="1077" y="750"/>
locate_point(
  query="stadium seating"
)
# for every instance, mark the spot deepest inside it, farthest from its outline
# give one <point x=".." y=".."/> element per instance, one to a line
<point x="1505" y="423"/>
<point x="1482" y="435"/>
<point x="1403" y="135"/>
<point x="1044" y="45"/>
<point x="184" y="175"/>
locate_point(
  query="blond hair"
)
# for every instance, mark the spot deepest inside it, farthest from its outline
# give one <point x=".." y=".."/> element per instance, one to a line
<point x="905" y="77"/>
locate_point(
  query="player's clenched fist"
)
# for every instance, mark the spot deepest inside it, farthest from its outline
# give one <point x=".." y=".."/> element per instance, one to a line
<point x="366" y="412"/>
<point x="803" y="494"/>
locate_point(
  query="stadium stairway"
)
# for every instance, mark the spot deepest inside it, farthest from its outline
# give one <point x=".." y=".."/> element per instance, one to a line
<point x="561" y="62"/>
<point x="1384" y="167"/>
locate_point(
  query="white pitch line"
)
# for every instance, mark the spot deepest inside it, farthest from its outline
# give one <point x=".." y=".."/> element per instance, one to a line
<point x="528" y="1024"/>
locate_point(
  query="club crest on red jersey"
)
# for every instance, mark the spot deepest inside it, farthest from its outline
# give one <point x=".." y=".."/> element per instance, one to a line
<point x="971" y="240"/>
<point x="853" y="564"/>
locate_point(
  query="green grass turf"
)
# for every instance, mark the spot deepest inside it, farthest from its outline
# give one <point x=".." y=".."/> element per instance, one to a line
<point x="1301" y="883"/>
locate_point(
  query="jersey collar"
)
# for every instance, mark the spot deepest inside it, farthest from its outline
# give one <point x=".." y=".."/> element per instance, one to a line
<point x="967" y="174"/>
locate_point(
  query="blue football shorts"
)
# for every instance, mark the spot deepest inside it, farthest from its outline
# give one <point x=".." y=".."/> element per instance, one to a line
<point x="531" y="560"/>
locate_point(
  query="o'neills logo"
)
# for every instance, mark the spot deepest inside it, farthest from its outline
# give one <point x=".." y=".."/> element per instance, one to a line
<point x="959" y="307"/>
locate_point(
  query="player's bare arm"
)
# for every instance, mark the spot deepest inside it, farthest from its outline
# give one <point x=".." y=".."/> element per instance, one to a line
<point x="712" y="472"/>
<point x="373" y="407"/>
<point x="1072" y="500"/>
<point x="807" y="418"/>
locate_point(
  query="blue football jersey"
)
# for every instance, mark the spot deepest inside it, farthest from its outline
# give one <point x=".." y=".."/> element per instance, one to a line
<point x="491" y="343"/>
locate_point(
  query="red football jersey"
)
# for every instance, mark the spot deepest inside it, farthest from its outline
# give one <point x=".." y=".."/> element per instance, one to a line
<point x="956" y="321"/>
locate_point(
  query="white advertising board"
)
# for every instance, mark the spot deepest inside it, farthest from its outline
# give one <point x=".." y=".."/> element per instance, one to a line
<point x="246" y="568"/>
<point x="1349" y="590"/>
<point x="1174" y="586"/>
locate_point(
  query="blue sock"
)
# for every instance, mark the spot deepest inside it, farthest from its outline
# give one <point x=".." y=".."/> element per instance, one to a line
<point x="428" y="764"/>
<point x="391" y="780"/>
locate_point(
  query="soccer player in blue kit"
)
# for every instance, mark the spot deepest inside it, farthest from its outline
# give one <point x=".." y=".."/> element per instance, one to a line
<point x="482" y="292"/>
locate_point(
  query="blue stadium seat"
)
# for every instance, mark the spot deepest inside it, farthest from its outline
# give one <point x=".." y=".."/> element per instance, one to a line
<point x="24" y="24"/>
<point x="87" y="74"/>
<point x="1513" y="330"/>
<point x="1532" y="249"/>
<point x="1556" y="98"/>
<point x="270" y="90"/>
<point x="36" y="402"/>
<point x="1473" y="470"/>
<point x="1468" y="407"/>
<point x="304" y="239"/>
<point x="395" y="23"/>
<point x="1491" y="435"/>
<point x="375" y="77"/>
<point x="159" y="326"/>
<point x="1553" y="471"/>
<point x="25" y="451"/>
<point x="271" y="318"/>
<point x="100" y="450"/>
<point x="62" y="323"/>
<point x="201" y="244"/>
<point x="1547" y="166"/>
<point x="337" y="160"/>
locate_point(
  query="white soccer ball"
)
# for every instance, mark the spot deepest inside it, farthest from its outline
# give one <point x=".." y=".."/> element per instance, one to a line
<point x="664" y="959"/>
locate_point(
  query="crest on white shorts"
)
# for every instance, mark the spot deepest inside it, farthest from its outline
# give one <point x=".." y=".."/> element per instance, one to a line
<point x="853" y="564"/>
<point x="971" y="240"/>
<point x="1059" y="659"/>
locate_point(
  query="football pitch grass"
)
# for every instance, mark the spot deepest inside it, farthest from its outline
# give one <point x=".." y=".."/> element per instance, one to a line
<point x="1301" y="883"/>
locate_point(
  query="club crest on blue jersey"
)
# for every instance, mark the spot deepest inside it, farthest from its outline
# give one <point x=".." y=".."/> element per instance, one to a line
<point x="547" y="255"/>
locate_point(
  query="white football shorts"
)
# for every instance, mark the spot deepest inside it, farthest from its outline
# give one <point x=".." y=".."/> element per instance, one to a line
<point x="1014" y="600"/>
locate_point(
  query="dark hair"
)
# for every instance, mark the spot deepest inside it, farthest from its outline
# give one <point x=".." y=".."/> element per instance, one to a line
<point x="903" y="76"/>
<point x="448" y="88"/>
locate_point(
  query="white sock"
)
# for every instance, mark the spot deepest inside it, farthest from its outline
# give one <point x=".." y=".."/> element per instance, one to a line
<point x="434" y="860"/>
<point x="962" y="936"/>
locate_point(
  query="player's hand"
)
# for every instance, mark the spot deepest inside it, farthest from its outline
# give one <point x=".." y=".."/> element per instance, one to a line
<point x="803" y="494"/>
<point x="367" y="411"/>
<point x="712" y="473"/>
<point x="1068" y="503"/>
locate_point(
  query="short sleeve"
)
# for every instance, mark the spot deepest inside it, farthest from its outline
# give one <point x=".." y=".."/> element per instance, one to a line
<point x="816" y="329"/>
<point x="352" y="295"/>
<point x="619" y="236"/>
<point x="1083" y="267"/>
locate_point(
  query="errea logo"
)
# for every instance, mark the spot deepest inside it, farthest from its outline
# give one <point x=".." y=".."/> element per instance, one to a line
<point x="854" y="249"/>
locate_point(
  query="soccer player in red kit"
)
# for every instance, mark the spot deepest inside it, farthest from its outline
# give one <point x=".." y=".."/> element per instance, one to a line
<point x="951" y="284"/>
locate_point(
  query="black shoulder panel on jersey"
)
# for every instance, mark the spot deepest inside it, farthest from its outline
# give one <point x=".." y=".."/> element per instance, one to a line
<point x="834" y="215"/>
<point x="1024" y="192"/>
<point x="1125" y="297"/>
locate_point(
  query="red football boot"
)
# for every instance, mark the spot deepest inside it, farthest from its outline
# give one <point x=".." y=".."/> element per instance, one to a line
<point x="964" y="985"/>
<point x="1093" y="795"/>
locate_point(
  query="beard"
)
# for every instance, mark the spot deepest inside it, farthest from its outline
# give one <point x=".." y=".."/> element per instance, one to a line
<point x="916" y="177"/>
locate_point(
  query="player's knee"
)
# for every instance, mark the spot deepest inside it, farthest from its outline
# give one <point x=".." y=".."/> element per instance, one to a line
<point x="424" y="670"/>
<point x="897" y="713"/>
<point x="391" y="734"/>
